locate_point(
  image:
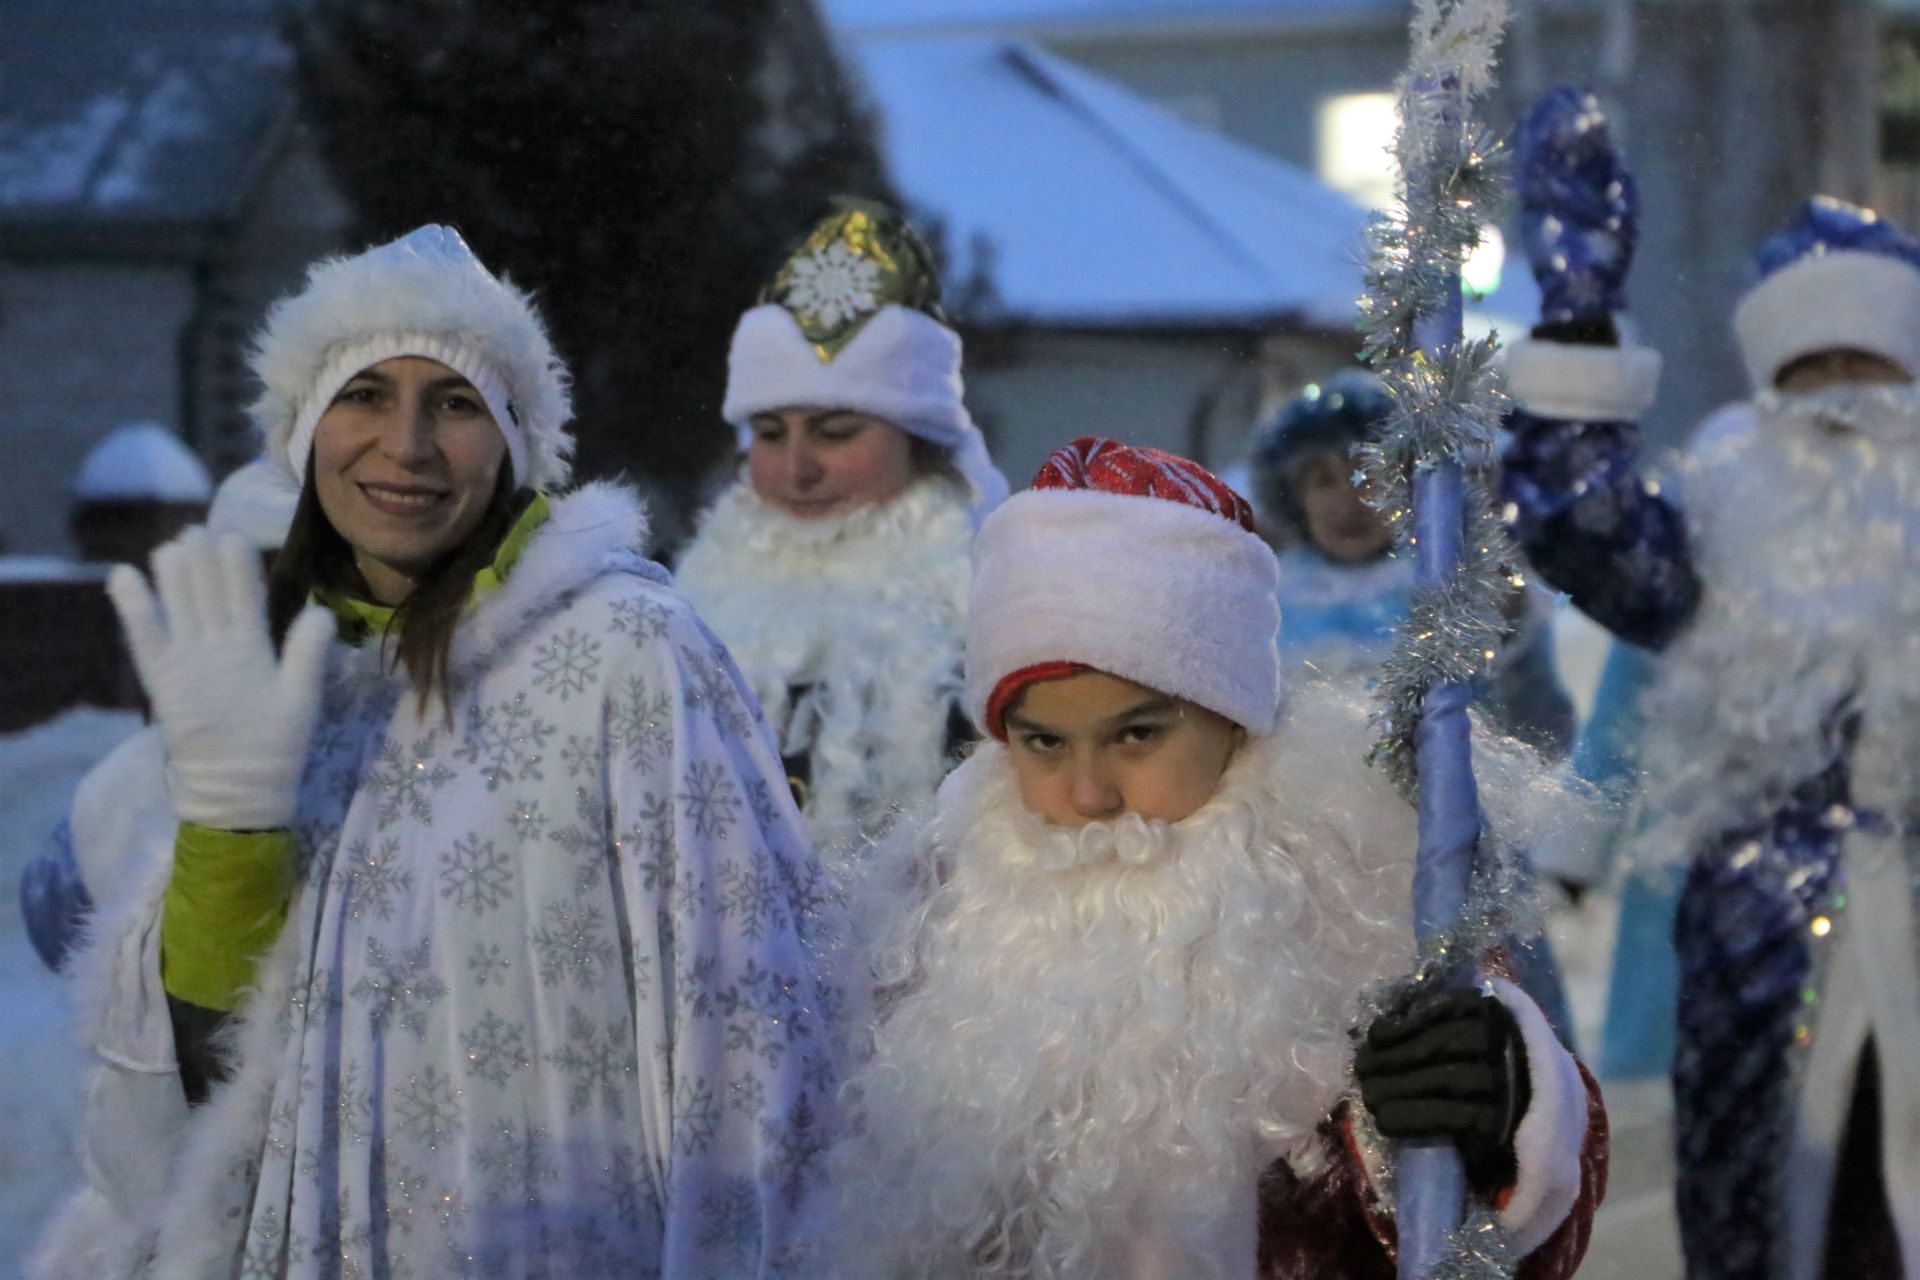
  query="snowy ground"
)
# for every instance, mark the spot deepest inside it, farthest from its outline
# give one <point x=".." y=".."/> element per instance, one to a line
<point x="40" y="1066"/>
<point x="39" y="1061"/>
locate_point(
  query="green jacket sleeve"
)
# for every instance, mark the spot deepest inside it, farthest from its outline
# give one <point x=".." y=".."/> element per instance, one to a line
<point x="225" y="904"/>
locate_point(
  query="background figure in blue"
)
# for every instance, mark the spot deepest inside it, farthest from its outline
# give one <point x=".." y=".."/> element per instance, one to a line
<point x="1779" y="768"/>
<point x="1342" y="591"/>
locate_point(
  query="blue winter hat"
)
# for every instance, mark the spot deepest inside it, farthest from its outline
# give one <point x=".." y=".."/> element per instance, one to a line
<point x="1579" y="207"/>
<point x="1838" y="277"/>
<point x="1330" y="416"/>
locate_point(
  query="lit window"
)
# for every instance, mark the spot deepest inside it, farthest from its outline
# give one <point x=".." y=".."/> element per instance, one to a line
<point x="1356" y="146"/>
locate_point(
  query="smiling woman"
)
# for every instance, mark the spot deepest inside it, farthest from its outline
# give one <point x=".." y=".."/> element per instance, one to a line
<point x="456" y="834"/>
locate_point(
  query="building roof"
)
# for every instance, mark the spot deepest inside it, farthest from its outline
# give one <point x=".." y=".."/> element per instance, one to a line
<point x="1098" y="207"/>
<point x="120" y="113"/>
<point x="867" y="16"/>
<point x="142" y="460"/>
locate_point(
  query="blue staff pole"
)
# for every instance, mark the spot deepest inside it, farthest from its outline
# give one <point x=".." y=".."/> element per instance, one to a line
<point x="1433" y="1185"/>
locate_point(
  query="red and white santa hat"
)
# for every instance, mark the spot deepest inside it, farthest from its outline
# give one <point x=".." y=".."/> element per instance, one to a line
<point x="1129" y="561"/>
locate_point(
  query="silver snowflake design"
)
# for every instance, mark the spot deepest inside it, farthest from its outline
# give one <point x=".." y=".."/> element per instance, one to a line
<point x="373" y="878"/>
<point x="406" y="780"/>
<point x="351" y="1102"/>
<point x="408" y="1196"/>
<point x="262" y="1257"/>
<point x="696" y="1114"/>
<point x="640" y="719"/>
<point x="585" y="840"/>
<point x="651" y="841"/>
<point x="710" y="686"/>
<point x="797" y="1143"/>
<point x="596" y="1060"/>
<point x="487" y="964"/>
<point x="580" y="756"/>
<point x="526" y="821"/>
<point x="566" y="664"/>
<point x="401" y="990"/>
<point x="571" y="945"/>
<point x="476" y="875"/>
<point x="730" y="1223"/>
<point x="747" y="1095"/>
<point x="642" y="619"/>
<point x="514" y="1166"/>
<point x="495" y="1048"/>
<point x="752" y="896"/>
<point x="833" y="285"/>
<point x="507" y="740"/>
<point x="429" y="1108"/>
<point x="622" y="1180"/>
<point x="709" y="799"/>
<point x="766" y="810"/>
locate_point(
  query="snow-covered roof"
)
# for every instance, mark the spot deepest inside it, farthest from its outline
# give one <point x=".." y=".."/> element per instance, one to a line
<point x="864" y="16"/>
<point x="142" y="461"/>
<point x="1100" y="208"/>
<point x="120" y="111"/>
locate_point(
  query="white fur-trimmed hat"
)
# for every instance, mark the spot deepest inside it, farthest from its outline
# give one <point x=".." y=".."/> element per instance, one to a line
<point x="256" y="502"/>
<point x="1133" y="562"/>
<point x="1838" y="277"/>
<point x="425" y="294"/>
<point x="852" y="320"/>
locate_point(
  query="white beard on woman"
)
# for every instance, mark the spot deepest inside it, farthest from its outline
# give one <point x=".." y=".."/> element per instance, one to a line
<point x="1096" y="1039"/>
<point x="868" y="610"/>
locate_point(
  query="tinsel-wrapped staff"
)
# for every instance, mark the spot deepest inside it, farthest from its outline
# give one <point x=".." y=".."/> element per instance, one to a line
<point x="1426" y="470"/>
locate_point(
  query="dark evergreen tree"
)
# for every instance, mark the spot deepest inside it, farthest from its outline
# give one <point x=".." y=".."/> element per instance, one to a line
<point x="641" y="164"/>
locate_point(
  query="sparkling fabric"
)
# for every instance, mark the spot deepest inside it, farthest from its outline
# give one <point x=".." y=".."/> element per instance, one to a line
<point x="1579" y="206"/>
<point x="1594" y="527"/>
<point x="1826" y="225"/>
<point x="1744" y="936"/>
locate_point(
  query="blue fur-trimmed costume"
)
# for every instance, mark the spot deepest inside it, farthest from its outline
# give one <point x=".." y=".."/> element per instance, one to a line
<point x="1777" y="1011"/>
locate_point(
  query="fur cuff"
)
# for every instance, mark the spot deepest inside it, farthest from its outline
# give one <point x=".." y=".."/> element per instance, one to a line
<point x="1582" y="383"/>
<point x="1854" y="301"/>
<point x="1552" y="1134"/>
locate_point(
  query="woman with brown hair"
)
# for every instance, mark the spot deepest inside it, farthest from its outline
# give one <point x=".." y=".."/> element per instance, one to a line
<point x="486" y="846"/>
<point x="836" y="568"/>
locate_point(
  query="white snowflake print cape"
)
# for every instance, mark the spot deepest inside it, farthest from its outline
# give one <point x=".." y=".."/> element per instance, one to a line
<point x="867" y="612"/>
<point x="548" y="1002"/>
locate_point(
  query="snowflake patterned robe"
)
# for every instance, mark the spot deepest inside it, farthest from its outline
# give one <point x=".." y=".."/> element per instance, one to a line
<point x="548" y="1001"/>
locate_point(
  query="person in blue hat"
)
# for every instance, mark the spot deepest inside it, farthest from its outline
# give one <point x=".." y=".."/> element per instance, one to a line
<point x="1784" y="737"/>
<point x="1342" y="589"/>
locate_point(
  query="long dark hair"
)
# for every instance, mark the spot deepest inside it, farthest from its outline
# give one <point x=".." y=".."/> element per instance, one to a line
<point x="315" y="556"/>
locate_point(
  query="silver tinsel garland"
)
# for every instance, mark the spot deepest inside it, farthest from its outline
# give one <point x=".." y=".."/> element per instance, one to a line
<point x="1447" y="405"/>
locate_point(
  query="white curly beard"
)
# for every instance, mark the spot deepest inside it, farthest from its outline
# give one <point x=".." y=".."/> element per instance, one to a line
<point x="1106" y="1034"/>
<point x="1805" y="512"/>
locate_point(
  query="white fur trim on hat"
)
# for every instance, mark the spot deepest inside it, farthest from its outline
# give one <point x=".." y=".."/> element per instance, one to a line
<point x="1552" y="1135"/>
<point x="903" y="366"/>
<point x="1154" y="591"/>
<point x="424" y="294"/>
<point x="1582" y="383"/>
<point x="1826" y="302"/>
<point x="256" y="502"/>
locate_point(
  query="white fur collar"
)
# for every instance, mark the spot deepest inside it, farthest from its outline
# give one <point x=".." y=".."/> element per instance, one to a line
<point x="594" y="530"/>
<point x="869" y="609"/>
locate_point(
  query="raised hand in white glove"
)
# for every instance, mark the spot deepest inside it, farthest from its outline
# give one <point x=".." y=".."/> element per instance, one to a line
<point x="236" y="718"/>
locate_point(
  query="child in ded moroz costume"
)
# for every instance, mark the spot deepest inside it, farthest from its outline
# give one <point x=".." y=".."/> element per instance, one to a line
<point x="1117" y="962"/>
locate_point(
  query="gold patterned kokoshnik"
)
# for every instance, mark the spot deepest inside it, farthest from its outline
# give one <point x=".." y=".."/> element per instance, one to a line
<point x="861" y="258"/>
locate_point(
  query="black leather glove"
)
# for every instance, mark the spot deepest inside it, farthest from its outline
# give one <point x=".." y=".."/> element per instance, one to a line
<point x="1450" y="1064"/>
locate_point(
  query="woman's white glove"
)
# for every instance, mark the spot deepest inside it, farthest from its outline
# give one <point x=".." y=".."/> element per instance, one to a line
<point x="236" y="719"/>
